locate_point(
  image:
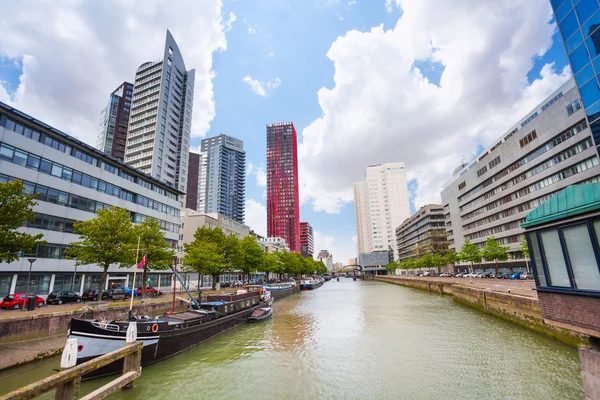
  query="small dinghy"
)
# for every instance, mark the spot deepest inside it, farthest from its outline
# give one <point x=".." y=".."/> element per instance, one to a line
<point x="261" y="314"/>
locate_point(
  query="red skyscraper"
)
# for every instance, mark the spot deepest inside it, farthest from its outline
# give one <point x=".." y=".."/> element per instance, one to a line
<point x="283" y="207"/>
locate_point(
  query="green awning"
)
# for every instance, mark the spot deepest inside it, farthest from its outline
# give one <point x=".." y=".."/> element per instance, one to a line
<point x="573" y="200"/>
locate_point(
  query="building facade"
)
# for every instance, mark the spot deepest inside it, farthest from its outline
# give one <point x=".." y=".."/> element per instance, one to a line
<point x="375" y="259"/>
<point x="158" y="138"/>
<point x="223" y="176"/>
<point x="307" y="243"/>
<point x="275" y="244"/>
<point x="283" y="205"/>
<point x="381" y="205"/>
<point x="193" y="220"/>
<point x="193" y="182"/>
<point x="326" y="259"/>
<point x="73" y="181"/>
<point x="424" y="232"/>
<point x="115" y="121"/>
<point x="578" y="24"/>
<point x="548" y="149"/>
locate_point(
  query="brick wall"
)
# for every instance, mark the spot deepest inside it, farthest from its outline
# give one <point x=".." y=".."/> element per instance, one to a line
<point x="579" y="311"/>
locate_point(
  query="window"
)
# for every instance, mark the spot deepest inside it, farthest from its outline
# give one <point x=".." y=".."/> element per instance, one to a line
<point x="554" y="258"/>
<point x="462" y="185"/>
<point x="537" y="259"/>
<point x="494" y="162"/>
<point x="482" y="171"/>
<point x="38" y="283"/>
<point x="581" y="257"/>
<point x="574" y="106"/>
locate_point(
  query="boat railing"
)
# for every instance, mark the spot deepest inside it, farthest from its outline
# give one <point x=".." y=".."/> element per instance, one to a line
<point x="106" y="325"/>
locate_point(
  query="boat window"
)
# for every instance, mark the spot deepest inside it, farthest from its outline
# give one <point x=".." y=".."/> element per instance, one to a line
<point x="581" y="255"/>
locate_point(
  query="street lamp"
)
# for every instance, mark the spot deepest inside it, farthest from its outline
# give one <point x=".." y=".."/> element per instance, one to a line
<point x="73" y="280"/>
<point x="31" y="261"/>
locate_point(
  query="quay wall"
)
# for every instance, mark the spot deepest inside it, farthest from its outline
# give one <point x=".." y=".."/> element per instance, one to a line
<point x="280" y="294"/>
<point x="521" y="310"/>
<point x="34" y="326"/>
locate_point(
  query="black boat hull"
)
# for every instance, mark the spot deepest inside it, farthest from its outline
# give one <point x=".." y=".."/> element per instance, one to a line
<point x="158" y="346"/>
<point x="311" y="286"/>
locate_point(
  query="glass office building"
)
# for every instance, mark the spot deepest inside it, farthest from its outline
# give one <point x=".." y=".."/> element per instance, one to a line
<point x="579" y="23"/>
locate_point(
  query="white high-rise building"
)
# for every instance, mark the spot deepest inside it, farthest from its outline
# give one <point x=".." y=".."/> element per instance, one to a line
<point x="381" y="204"/>
<point x="161" y="116"/>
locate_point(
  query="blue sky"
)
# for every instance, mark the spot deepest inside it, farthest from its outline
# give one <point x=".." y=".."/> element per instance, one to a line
<point x="282" y="46"/>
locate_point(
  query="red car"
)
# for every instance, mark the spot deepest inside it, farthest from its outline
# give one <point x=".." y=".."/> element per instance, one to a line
<point x="150" y="291"/>
<point x="17" y="301"/>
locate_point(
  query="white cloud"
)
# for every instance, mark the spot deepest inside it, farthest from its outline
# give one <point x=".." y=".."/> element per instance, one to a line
<point x="228" y="24"/>
<point x="382" y="108"/>
<point x="389" y="6"/>
<point x="261" y="87"/>
<point x="351" y="3"/>
<point x="76" y="54"/>
<point x="252" y="29"/>
<point x="271" y="54"/>
<point x="340" y="17"/>
<point x="249" y="168"/>
<point x="261" y="176"/>
<point x="256" y="217"/>
<point x="340" y="248"/>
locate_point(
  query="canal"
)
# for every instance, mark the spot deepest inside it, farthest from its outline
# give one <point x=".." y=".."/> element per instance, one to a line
<point x="359" y="340"/>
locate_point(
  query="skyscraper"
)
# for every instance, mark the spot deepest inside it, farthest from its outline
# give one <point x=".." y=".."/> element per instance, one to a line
<point x="222" y="183"/>
<point x="381" y="204"/>
<point x="578" y="25"/>
<point x="158" y="139"/>
<point x="193" y="182"/>
<point x="283" y="206"/>
<point x="307" y="243"/>
<point x="115" y="120"/>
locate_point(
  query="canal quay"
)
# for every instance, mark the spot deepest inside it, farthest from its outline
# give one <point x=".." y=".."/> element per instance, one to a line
<point x="357" y="340"/>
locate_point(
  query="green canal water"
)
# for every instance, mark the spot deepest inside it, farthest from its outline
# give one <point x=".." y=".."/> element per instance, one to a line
<point x="359" y="340"/>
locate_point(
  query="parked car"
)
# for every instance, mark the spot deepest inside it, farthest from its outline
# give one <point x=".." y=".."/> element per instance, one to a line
<point x="90" y="295"/>
<point x="150" y="291"/>
<point x="128" y="290"/>
<point x="516" y="275"/>
<point x="63" y="296"/>
<point x="17" y="300"/>
<point x="526" y="275"/>
<point x="459" y="275"/>
<point x="116" y="294"/>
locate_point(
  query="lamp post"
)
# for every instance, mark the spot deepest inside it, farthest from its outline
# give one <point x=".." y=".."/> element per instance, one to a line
<point x="73" y="280"/>
<point x="31" y="261"/>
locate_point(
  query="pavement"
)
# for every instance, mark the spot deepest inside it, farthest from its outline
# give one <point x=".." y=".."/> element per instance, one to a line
<point x="523" y="287"/>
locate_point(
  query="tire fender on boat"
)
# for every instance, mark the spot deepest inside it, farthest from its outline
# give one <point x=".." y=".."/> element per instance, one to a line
<point x="154" y="328"/>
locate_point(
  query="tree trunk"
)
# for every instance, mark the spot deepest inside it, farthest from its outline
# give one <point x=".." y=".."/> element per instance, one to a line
<point x="472" y="269"/>
<point x="144" y="280"/>
<point x="103" y="281"/>
<point x="199" y="283"/>
<point x="496" y="266"/>
<point x="214" y="281"/>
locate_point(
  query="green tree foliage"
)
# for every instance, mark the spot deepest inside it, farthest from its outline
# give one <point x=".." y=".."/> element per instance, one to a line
<point x="525" y="251"/>
<point x="252" y="256"/>
<point x="206" y="253"/>
<point x="493" y="251"/>
<point x="159" y="256"/>
<point x="107" y="239"/>
<point x="394" y="265"/>
<point x="321" y="267"/>
<point x="470" y="252"/>
<point x="438" y="261"/>
<point x="15" y="208"/>
<point x="272" y="264"/>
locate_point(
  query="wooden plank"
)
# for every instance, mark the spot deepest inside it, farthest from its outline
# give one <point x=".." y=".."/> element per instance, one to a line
<point x="37" y="388"/>
<point x="113" y="386"/>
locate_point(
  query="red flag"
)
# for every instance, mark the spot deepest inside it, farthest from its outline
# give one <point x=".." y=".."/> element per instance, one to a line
<point x="142" y="263"/>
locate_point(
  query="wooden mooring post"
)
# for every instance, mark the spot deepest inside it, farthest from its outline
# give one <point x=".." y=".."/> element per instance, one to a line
<point x="67" y="382"/>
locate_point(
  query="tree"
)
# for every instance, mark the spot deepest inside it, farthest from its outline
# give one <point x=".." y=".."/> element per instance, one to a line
<point x="232" y="253"/>
<point x="205" y="258"/>
<point x="252" y="255"/>
<point x="107" y="239"/>
<point x="426" y="261"/>
<point x="394" y="265"/>
<point x="209" y="253"/>
<point x="321" y="268"/>
<point x="272" y="264"/>
<point x="451" y="257"/>
<point x="15" y="208"/>
<point x="525" y="251"/>
<point x="159" y="256"/>
<point x="470" y="252"/>
<point x="438" y="261"/>
<point x="493" y="251"/>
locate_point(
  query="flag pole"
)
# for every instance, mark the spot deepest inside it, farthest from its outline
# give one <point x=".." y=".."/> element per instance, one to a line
<point x="137" y="254"/>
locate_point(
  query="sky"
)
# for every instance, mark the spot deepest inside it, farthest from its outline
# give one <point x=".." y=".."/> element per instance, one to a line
<point x="426" y="82"/>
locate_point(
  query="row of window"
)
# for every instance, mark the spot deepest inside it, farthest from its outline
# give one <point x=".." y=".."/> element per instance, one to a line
<point x="482" y="171"/>
<point x="494" y="162"/>
<point x="564" y="257"/>
<point x="558" y="139"/>
<point x="24" y="159"/>
<point x="570" y="152"/>
<point x="573" y="170"/>
<point x="527" y="139"/>
<point x="496" y="229"/>
<point x="11" y="125"/>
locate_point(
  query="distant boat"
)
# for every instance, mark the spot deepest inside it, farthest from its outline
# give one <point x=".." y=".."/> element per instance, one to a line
<point x="261" y="314"/>
<point x="311" y="284"/>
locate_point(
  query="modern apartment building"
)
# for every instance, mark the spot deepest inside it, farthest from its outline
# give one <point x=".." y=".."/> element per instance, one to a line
<point x="193" y="181"/>
<point x="424" y="232"/>
<point x="381" y="204"/>
<point x="548" y="149"/>
<point x="222" y="180"/>
<point x="115" y="121"/>
<point x="73" y="181"/>
<point x="158" y="138"/>
<point x="578" y="23"/>
<point x="283" y="205"/>
<point x="307" y="242"/>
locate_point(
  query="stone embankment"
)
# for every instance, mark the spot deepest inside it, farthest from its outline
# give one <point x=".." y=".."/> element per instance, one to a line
<point x="514" y="301"/>
<point x="24" y="337"/>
